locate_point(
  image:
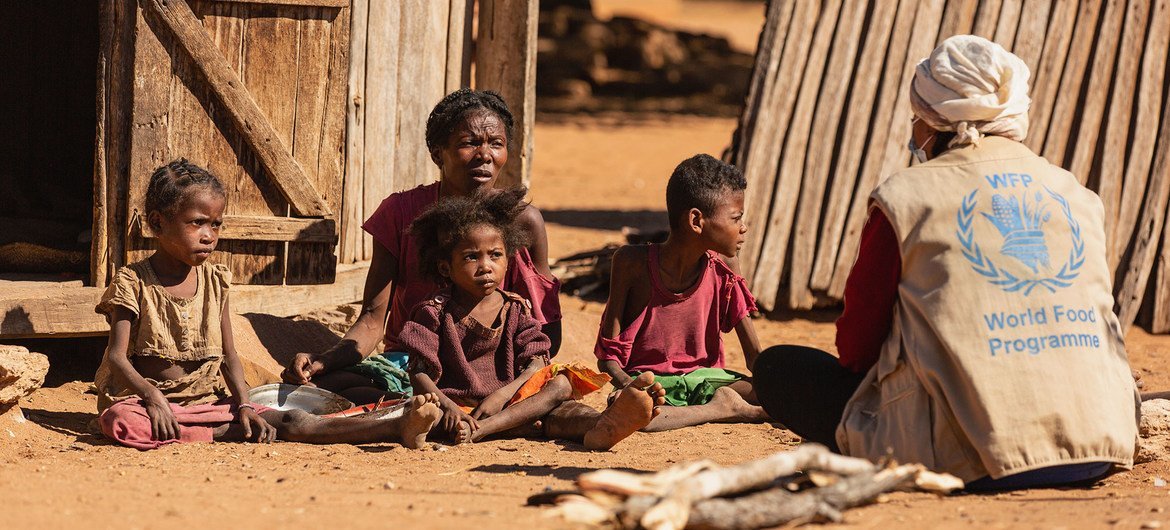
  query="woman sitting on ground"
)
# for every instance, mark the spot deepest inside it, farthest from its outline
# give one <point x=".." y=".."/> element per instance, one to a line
<point x="978" y="335"/>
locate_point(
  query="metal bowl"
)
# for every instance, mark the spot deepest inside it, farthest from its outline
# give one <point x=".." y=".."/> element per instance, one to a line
<point x="282" y="396"/>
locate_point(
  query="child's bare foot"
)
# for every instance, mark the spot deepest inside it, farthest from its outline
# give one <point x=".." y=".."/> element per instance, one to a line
<point x="464" y="434"/>
<point x="423" y="413"/>
<point x="634" y="407"/>
<point x="736" y="407"/>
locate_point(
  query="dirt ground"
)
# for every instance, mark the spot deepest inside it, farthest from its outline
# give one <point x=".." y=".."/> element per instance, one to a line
<point x="55" y="474"/>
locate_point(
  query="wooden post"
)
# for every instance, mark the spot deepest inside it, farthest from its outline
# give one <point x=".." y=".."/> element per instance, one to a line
<point x="1068" y="100"/>
<point x="99" y="242"/>
<point x="379" y="168"/>
<point x="459" y="41"/>
<point x="506" y="62"/>
<point x="352" y="201"/>
<point x="1046" y="78"/>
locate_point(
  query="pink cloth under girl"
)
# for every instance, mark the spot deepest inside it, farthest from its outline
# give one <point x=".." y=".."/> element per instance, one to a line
<point x="127" y="422"/>
<point x="677" y="333"/>
<point x="389" y="225"/>
<point x="466" y="359"/>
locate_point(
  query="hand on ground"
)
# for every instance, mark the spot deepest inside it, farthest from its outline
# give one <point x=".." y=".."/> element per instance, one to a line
<point x="254" y="424"/>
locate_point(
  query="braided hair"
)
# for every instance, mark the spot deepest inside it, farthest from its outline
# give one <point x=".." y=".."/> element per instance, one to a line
<point x="171" y="184"/>
<point x="456" y="107"/>
<point x="441" y="227"/>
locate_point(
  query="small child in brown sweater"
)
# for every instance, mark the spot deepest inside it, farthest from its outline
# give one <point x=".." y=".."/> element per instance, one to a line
<point x="481" y="349"/>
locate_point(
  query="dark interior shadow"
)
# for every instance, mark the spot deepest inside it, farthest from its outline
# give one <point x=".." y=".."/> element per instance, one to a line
<point x="608" y="219"/>
<point x="561" y="472"/>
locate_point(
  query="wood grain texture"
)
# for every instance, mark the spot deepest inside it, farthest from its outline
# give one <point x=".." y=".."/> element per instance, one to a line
<point x="815" y="181"/>
<point x="459" y="44"/>
<point x="1046" y="79"/>
<point x="417" y="94"/>
<point x="302" y="3"/>
<point x="760" y="133"/>
<point x="958" y="18"/>
<point x="256" y="228"/>
<point x="898" y="66"/>
<point x="847" y="173"/>
<point x="1009" y="23"/>
<point x="1067" y="104"/>
<point x="99" y="231"/>
<point x="261" y="135"/>
<point x="350" y="248"/>
<point x="1033" y="26"/>
<point x="1092" y="108"/>
<point x="506" y="62"/>
<point x="380" y="173"/>
<point x="774" y="253"/>
<point x="1144" y="128"/>
<point x="1117" y="124"/>
<point x="987" y="18"/>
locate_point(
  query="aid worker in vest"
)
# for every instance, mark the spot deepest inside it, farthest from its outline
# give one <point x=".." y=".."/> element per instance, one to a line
<point x="978" y="335"/>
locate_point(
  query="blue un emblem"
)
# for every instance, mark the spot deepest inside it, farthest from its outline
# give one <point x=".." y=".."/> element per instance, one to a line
<point x="1020" y="220"/>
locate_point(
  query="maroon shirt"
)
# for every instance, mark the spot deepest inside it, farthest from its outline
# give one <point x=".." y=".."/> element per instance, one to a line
<point x="389" y="227"/>
<point x="467" y="360"/>
<point x="677" y="333"/>
<point x="870" y="293"/>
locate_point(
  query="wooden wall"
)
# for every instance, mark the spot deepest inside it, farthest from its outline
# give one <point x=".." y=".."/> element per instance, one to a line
<point x="827" y="118"/>
<point x="405" y="56"/>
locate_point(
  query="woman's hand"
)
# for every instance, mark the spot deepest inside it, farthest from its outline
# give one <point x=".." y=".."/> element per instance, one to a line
<point x="489" y="407"/>
<point x="253" y="423"/>
<point x="302" y="369"/>
<point x="452" y="415"/>
<point x="163" y="425"/>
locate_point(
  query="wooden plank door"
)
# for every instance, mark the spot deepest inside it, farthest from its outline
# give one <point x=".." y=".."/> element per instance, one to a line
<point x="255" y="91"/>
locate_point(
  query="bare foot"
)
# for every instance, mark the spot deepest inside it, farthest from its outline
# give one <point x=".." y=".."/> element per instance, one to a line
<point x="422" y="415"/>
<point x="464" y="434"/>
<point x="738" y="409"/>
<point x="631" y="410"/>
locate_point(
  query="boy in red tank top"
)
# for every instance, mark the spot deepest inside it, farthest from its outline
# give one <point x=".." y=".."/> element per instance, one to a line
<point x="670" y="303"/>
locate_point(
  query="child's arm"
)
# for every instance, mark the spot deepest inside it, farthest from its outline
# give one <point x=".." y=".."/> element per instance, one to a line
<point x="621" y="273"/>
<point x="452" y="414"/>
<point x="365" y="333"/>
<point x="233" y="374"/>
<point x="162" y="421"/>
<point x="495" y="402"/>
<point x="746" y="331"/>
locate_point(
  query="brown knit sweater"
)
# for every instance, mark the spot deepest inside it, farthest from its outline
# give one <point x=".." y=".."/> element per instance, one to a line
<point x="467" y="360"/>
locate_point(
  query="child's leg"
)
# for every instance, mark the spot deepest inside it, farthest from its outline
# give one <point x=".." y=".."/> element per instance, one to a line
<point x="726" y="406"/>
<point x="359" y="389"/>
<point x="633" y="409"/>
<point x="298" y="426"/>
<point x="556" y="391"/>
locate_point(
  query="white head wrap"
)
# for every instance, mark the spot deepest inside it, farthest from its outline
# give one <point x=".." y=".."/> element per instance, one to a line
<point x="972" y="86"/>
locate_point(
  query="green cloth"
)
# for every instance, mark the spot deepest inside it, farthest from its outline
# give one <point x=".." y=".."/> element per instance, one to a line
<point x="387" y="371"/>
<point x="697" y="387"/>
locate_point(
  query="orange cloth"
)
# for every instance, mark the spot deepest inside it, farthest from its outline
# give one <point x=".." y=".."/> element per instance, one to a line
<point x="583" y="379"/>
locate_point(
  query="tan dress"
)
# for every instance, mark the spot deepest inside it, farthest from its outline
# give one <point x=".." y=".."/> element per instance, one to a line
<point x="171" y="328"/>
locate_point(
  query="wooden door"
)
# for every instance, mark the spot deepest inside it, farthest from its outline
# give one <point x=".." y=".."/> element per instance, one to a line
<point x="255" y="91"/>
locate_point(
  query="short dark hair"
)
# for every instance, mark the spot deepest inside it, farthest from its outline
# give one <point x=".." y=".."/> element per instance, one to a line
<point x="457" y="106"/>
<point x="439" y="229"/>
<point x="170" y="184"/>
<point x="699" y="182"/>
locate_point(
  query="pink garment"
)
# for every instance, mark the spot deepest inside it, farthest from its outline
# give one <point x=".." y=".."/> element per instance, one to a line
<point x="677" y="333"/>
<point x="389" y="227"/>
<point x="127" y="422"/>
<point x="467" y="360"/>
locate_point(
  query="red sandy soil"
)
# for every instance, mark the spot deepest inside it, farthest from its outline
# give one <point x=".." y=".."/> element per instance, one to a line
<point x="591" y="177"/>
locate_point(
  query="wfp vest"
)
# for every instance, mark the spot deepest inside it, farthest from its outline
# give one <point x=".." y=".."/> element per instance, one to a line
<point x="1004" y="355"/>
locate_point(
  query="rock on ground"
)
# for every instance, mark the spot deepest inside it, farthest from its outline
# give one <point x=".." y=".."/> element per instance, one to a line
<point x="1154" y="430"/>
<point x="21" y="372"/>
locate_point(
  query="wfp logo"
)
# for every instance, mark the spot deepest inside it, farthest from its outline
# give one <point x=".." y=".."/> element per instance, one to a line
<point x="1020" y="221"/>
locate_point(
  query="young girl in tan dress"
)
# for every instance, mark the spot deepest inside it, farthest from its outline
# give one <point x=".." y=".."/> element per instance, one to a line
<point x="170" y="373"/>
